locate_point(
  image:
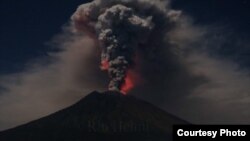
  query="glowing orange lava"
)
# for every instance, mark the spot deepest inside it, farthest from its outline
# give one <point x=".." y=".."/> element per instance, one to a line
<point x="104" y="65"/>
<point x="129" y="81"/>
<point x="128" y="84"/>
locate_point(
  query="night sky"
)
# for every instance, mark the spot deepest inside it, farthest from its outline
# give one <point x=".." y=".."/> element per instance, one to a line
<point x="230" y="15"/>
<point x="28" y="27"/>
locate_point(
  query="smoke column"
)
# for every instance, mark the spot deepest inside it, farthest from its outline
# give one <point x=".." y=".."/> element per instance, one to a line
<point x="123" y="28"/>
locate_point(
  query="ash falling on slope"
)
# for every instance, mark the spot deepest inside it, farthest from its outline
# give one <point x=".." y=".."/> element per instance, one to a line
<point x="127" y="31"/>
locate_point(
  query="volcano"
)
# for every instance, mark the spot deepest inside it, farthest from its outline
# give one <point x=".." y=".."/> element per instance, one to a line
<point x="104" y="116"/>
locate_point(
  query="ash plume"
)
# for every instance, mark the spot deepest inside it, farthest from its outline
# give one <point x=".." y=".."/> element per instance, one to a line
<point x="123" y="28"/>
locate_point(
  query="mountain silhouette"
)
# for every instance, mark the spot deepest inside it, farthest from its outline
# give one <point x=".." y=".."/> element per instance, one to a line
<point x="104" y="116"/>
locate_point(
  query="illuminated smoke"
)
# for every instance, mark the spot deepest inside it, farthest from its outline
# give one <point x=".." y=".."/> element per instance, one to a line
<point x="123" y="28"/>
<point x="129" y="82"/>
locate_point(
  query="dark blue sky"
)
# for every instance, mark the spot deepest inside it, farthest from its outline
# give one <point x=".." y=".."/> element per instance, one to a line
<point x="26" y="25"/>
<point x="233" y="12"/>
<point x="230" y="20"/>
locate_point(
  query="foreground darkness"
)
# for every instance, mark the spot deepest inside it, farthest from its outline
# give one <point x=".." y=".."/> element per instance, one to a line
<point x="99" y="116"/>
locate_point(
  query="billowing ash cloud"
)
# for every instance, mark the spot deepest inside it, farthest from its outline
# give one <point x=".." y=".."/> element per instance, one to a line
<point x="123" y="28"/>
<point x="120" y="31"/>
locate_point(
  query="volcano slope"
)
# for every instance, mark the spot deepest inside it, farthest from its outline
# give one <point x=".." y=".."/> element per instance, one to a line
<point x="107" y="116"/>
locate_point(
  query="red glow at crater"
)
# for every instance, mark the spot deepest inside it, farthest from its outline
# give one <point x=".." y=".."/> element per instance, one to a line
<point x="105" y="65"/>
<point x="129" y="82"/>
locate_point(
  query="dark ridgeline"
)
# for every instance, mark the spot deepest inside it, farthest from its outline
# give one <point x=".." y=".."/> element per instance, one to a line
<point x="99" y="117"/>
